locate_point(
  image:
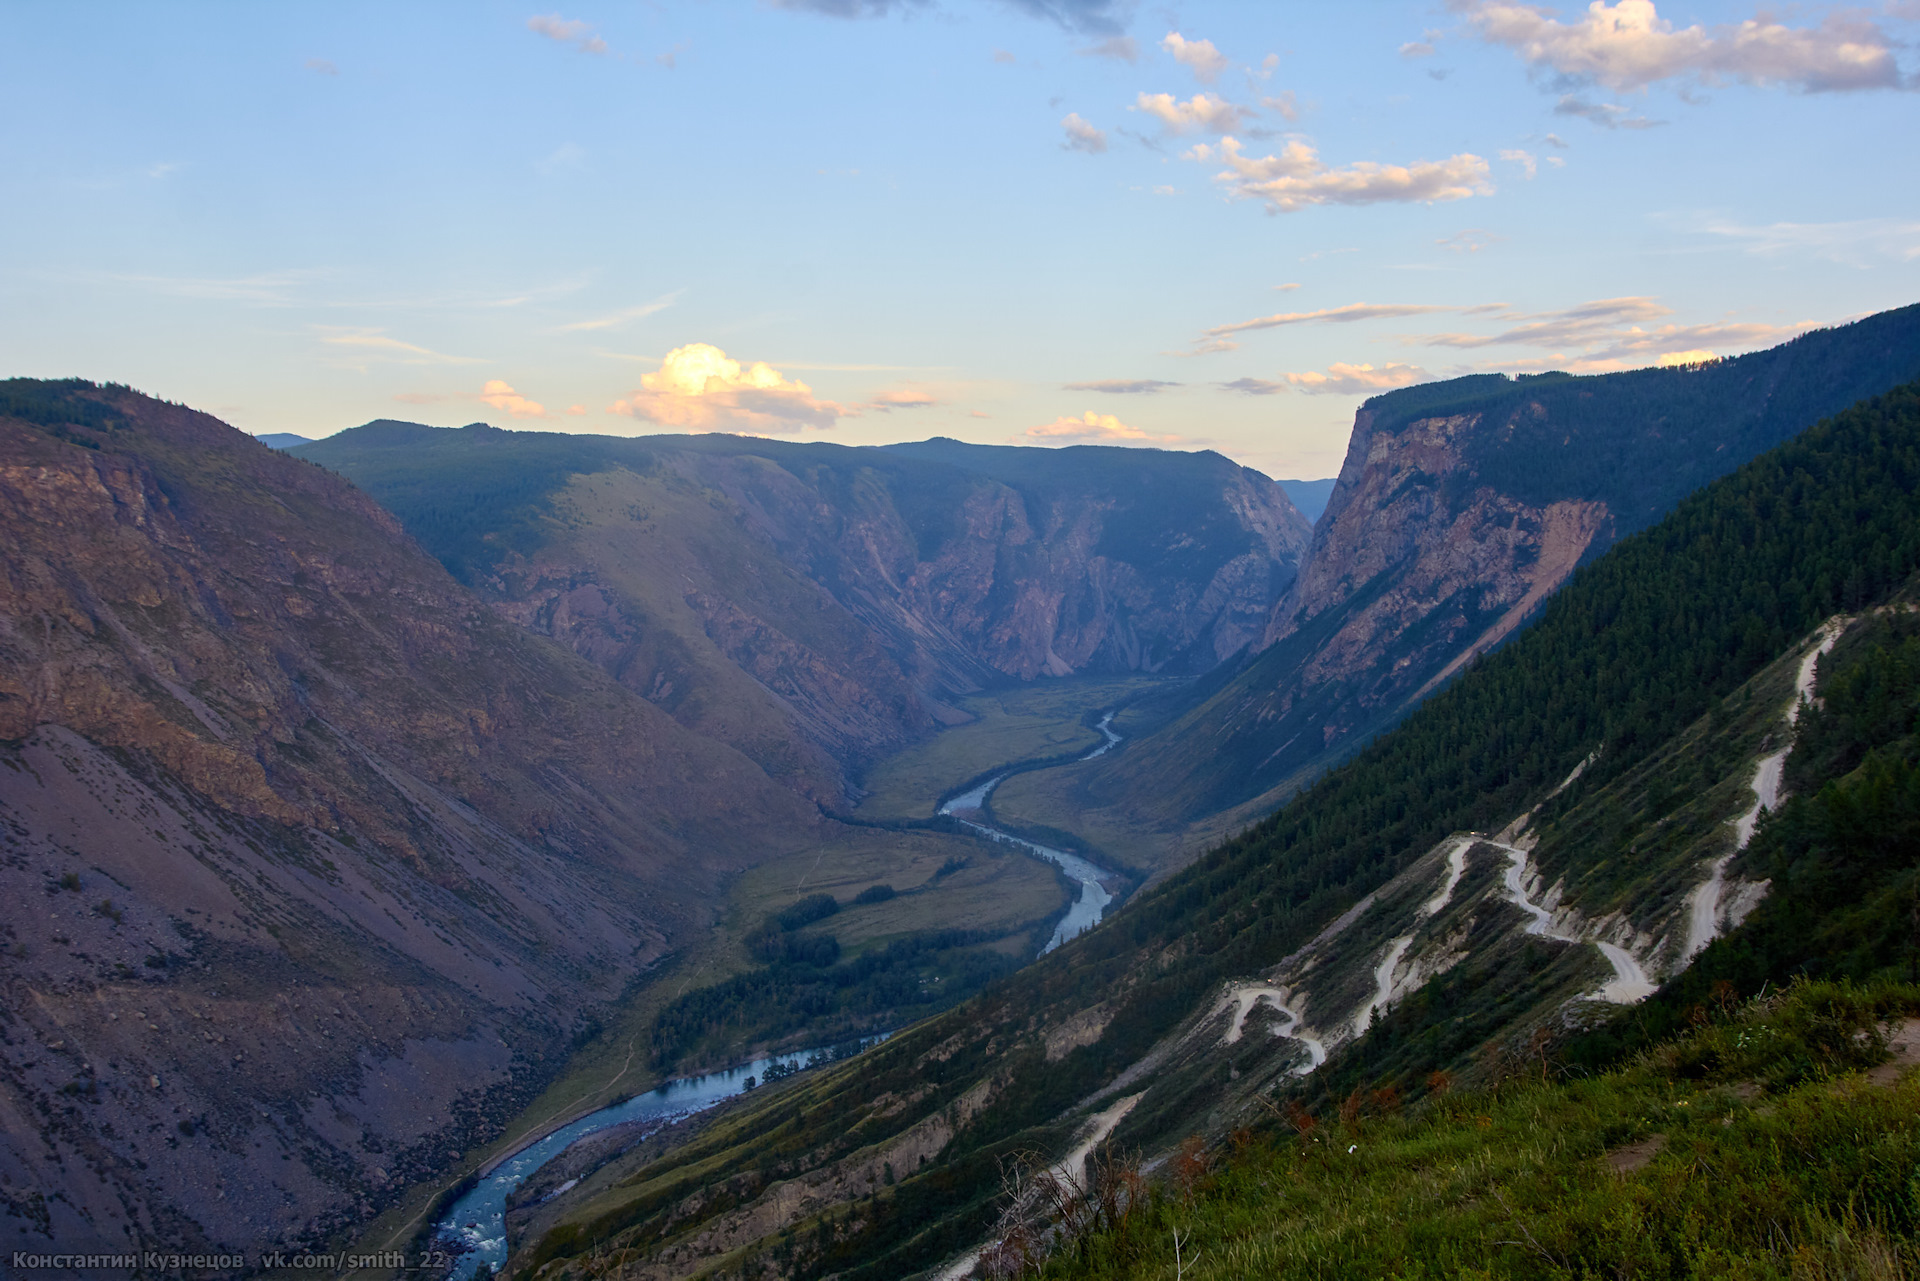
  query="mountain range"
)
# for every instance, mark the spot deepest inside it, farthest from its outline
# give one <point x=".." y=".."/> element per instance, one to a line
<point x="353" y="787"/>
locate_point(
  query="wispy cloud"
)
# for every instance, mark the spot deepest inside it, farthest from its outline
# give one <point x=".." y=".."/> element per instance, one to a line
<point x="1198" y="56"/>
<point x="1608" y="115"/>
<point x="1342" y="379"/>
<point x="1348" y="314"/>
<point x="1203" y="112"/>
<point x="1119" y="48"/>
<point x="1613" y="333"/>
<point x="1857" y="242"/>
<point x="700" y="388"/>
<point x="1469" y="241"/>
<point x="1082" y="136"/>
<point x="1103" y="429"/>
<point x="618" y="318"/>
<point x="377" y="345"/>
<point x="1628" y="46"/>
<point x="567" y="31"/>
<point x="1522" y="158"/>
<point x="903" y="398"/>
<point x="321" y="66"/>
<point x="1124" y="386"/>
<point x="1296" y="178"/>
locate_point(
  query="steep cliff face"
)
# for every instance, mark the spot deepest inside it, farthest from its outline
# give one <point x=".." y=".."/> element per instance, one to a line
<point x="1460" y="508"/>
<point x="815" y="605"/>
<point x="309" y="861"/>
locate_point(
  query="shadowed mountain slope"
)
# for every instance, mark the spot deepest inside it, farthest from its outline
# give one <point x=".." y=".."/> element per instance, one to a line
<point x="310" y="863"/>
<point x="816" y="605"/>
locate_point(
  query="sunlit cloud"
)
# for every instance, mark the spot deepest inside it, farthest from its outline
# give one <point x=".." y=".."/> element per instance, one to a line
<point x="1680" y="359"/>
<point x="503" y="397"/>
<point x="1124" y="386"/>
<point x="1082" y="136"/>
<point x="1284" y="104"/>
<point x="1296" y="178"/>
<point x="567" y="31"/>
<point x="1580" y="326"/>
<point x="1094" y="428"/>
<point x="1202" y="112"/>
<point x="375" y="344"/>
<point x="1342" y="379"/>
<point x="903" y="398"/>
<point x="1198" y="56"/>
<point x="698" y="387"/>
<point x="623" y="316"/>
<point x="1629" y="46"/>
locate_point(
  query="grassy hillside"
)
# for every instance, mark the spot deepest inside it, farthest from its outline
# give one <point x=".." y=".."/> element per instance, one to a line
<point x="1778" y="1138"/>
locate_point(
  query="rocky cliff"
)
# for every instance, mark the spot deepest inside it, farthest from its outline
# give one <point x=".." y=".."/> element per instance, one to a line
<point x="1460" y="508"/>
<point x="310" y="862"/>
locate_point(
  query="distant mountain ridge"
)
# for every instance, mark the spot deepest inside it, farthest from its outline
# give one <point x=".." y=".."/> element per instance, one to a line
<point x="815" y="604"/>
<point x="1461" y="507"/>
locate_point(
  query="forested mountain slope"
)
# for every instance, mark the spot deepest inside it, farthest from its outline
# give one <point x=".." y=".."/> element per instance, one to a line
<point x="1681" y="645"/>
<point x="311" y="865"/>
<point x="815" y="605"/>
<point x="1461" y="506"/>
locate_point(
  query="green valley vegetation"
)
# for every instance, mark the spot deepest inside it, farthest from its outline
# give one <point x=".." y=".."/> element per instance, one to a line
<point x="1638" y="648"/>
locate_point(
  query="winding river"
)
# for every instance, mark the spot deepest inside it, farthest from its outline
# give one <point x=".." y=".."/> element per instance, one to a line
<point x="1094" y="894"/>
<point x="478" y="1219"/>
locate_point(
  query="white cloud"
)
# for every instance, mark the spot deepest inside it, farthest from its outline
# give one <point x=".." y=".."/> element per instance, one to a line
<point x="1522" y="158"/>
<point x="1296" y="178"/>
<point x="1097" y="428"/>
<point x="1629" y="46"/>
<point x="501" y="396"/>
<point x="1555" y="140"/>
<point x="567" y="31"/>
<point x="1330" y="315"/>
<point x="375" y="344"/>
<point x="1203" y="111"/>
<point x="1416" y="49"/>
<point x="1287" y="288"/>
<point x="1082" y="136"/>
<point x="1672" y="359"/>
<point x="700" y="388"/>
<point x="622" y="317"/>
<point x="1198" y="56"/>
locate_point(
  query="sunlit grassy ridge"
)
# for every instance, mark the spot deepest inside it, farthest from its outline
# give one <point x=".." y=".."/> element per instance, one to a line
<point x="1777" y="1149"/>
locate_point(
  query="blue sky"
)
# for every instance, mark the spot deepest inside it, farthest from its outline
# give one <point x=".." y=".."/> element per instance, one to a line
<point x="1033" y="221"/>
